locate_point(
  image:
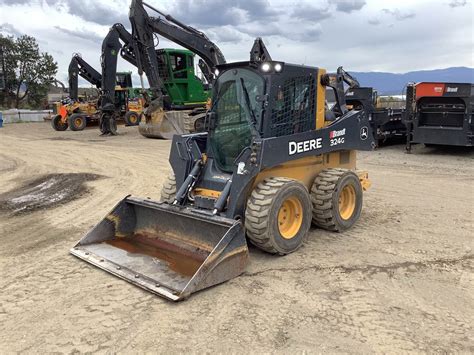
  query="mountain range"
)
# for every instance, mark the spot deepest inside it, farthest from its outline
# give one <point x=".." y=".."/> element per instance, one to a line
<point x="394" y="84"/>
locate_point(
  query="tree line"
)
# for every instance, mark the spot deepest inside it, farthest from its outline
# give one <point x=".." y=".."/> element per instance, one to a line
<point x="27" y="73"/>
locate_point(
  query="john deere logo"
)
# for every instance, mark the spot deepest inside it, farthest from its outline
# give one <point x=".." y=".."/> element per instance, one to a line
<point x="364" y="133"/>
<point x="113" y="51"/>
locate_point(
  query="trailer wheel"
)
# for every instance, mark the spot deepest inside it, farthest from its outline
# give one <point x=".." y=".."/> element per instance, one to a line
<point x="336" y="195"/>
<point x="168" y="191"/>
<point x="58" y="124"/>
<point x="278" y="215"/>
<point x="77" y="121"/>
<point x="131" y="118"/>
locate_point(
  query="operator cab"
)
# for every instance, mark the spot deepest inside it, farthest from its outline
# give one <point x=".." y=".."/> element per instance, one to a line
<point x="242" y="92"/>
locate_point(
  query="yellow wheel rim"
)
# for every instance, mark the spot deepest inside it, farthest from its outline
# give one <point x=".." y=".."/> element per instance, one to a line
<point x="290" y="217"/>
<point x="347" y="202"/>
<point x="78" y="122"/>
<point x="133" y="119"/>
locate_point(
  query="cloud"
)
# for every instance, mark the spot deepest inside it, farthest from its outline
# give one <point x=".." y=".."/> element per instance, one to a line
<point x="224" y="34"/>
<point x="97" y="12"/>
<point x="294" y="31"/>
<point x="374" y="22"/>
<point x="83" y="34"/>
<point x="212" y="13"/>
<point x="14" y="2"/>
<point x="306" y="34"/>
<point x="400" y="16"/>
<point x="348" y="5"/>
<point x="311" y="13"/>
<point x="457" y="3"/>
<point x="10" y="30"/>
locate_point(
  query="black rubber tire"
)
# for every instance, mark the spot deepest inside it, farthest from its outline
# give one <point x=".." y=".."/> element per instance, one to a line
<point x="73" y="124"/>
<point x="57" y="124"/>
<point x="168" y="190"/>
<point x="131" y="118"/>
<point x="325" y="194"/>
<point x="261" y="215"/>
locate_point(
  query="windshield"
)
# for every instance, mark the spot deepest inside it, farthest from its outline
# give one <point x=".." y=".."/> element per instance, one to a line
<point x="237" y="113"/>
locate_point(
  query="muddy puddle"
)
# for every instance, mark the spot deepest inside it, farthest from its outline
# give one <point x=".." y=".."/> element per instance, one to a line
<point x="45" y="192"/>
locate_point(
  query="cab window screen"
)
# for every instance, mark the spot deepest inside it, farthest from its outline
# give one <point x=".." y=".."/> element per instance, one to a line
<point x="294" y="107"/>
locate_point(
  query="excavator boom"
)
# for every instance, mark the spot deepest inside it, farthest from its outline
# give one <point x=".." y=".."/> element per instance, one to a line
<point x="158" y="123"/>
<point x="79" y="67"/>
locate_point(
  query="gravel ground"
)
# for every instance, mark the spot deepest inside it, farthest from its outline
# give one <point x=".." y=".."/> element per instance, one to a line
<point x="400" y="281"/>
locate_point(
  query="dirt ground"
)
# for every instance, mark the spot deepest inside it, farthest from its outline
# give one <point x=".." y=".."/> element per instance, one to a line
<point x="400" y="281"/>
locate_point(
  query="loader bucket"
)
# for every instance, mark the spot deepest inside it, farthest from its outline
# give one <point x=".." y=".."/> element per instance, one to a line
<point x="163" y="124"/>
<point x="168" y="250"/>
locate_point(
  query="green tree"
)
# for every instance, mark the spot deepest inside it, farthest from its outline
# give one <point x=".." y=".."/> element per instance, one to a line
<point x="29" y="73"/>
<point x="7" y="48"/>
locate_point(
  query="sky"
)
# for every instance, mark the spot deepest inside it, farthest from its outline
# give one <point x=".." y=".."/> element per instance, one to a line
<point x="361" y="35"/>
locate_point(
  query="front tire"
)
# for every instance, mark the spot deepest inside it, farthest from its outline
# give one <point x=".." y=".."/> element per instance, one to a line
<point x="278" y="215"/>
<point x="58" y="124"/>
<point x="336" y="196"/>
<point x="77" y="122"/>
<point x="168" y="191"/>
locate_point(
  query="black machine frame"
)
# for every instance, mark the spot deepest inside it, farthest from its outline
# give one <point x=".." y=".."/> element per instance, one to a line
<point x="265" y="150"/>
<point x="386" y="123"/>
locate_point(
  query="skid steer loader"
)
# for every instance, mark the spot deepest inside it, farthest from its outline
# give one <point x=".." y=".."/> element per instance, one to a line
<point x="272" y="162"/>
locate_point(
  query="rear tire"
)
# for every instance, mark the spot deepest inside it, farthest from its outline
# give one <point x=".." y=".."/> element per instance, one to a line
<point x="77" y="122"/>
<point x="131" y="118"/>
<point x="57" y="124"/>
<point x="336" y="195"/>
<point x="168" y="191"/>
<point x="278" y="215"/>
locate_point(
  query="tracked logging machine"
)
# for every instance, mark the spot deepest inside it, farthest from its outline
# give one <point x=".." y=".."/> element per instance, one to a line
<point x="269" y="165"/>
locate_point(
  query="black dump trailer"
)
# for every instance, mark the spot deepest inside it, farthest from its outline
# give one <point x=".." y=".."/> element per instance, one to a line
<point x="386" y="122"/>
<point x="440" y="114"/>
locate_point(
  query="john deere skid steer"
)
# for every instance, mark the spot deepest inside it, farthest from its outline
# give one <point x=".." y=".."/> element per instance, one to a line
<point x="274" y="160"/>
